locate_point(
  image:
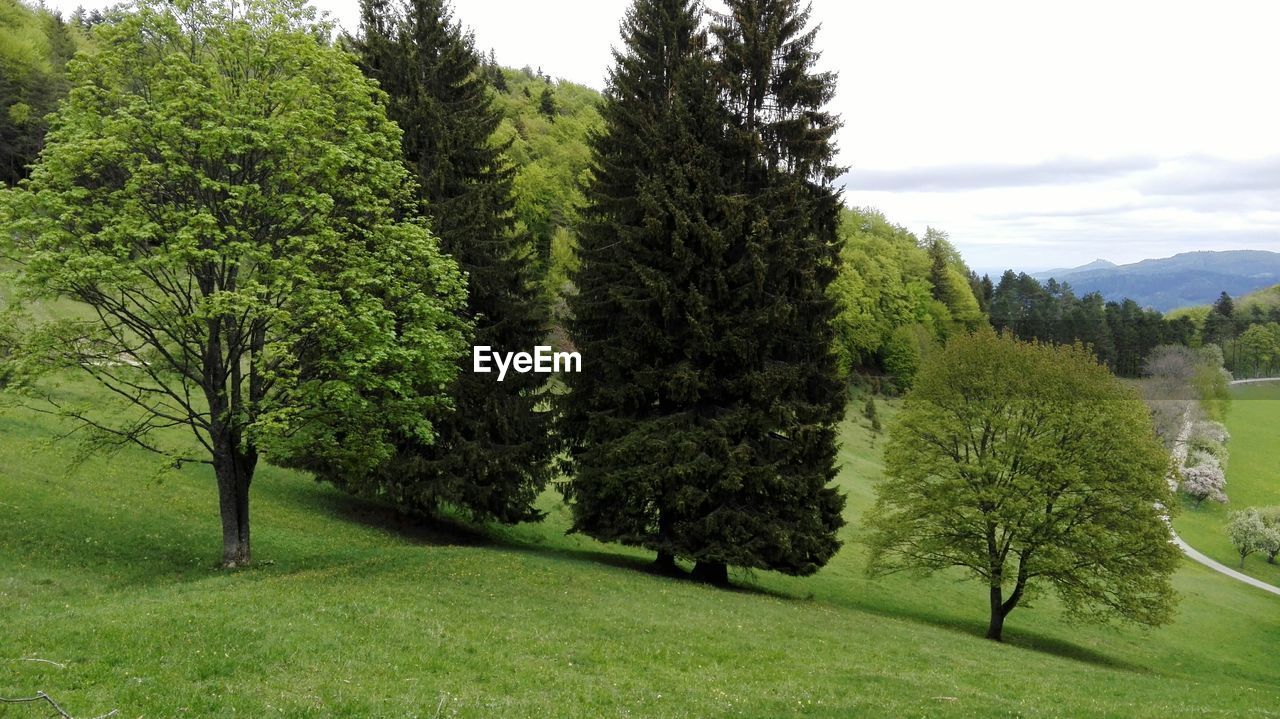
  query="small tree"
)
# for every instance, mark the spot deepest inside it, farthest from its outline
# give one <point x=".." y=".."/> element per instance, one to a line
<point x="1203" y="478"/>
<point x="1248" y="532"/>
<point x="227" y="197"/>
<point x="1033" y="468"/>
<point x="547" y="103"/>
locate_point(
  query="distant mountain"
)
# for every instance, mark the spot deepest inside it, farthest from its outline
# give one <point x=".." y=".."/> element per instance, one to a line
<point x="1095" y="265"/>
<point x="1191" y="278"/>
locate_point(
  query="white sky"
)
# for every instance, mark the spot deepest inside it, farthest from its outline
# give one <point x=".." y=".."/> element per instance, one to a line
<point x="1036" y="134"/>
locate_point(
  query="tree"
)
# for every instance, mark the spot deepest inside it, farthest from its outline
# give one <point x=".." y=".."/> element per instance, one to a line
<point x="227" y="197"/>
<point x="1203" y="478"/>
<point x="781" y="394"/>
<point x="641" y="421"/>
<point x="547" y="103"/>
<point x="1248" y="533"/>
<point x="492" y="453"/>
<point x="702" y="429"/>
<point x="1271" y="539"/>
<point x="1032" y="468"/>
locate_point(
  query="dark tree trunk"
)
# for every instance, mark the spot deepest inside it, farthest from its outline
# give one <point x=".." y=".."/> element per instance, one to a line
<point x="995" y="629"/>
<point x="716" y="573"/>
<point x="234" y="471"/>
<point x="1000" y="609"/>
<point x="665" y="563"/>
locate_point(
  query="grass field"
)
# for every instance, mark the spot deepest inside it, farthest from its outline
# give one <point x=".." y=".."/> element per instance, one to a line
<point x="1253" y="478"/>
<point x="353" y="613"/>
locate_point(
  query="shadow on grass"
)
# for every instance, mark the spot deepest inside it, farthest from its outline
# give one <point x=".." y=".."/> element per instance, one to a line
<point x="977" y="629"/>
<point x="454" y="530"/>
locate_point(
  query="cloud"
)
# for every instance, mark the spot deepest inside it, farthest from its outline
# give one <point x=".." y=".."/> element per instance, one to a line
<point x="1199" y="176"/>
<point x="979" y="176"/>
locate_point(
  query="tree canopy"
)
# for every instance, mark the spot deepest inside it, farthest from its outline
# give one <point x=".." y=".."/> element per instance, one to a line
<point x="491" y="455"/>
<point x="1032" y="468"/>
<point x="225" y="194"/>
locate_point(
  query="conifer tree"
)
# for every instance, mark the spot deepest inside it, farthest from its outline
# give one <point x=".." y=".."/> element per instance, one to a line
<point x="780" y="393"/>
<point x="491" y="457"/>
<point x="702" y="427"/>
<point x="639" y="421"/>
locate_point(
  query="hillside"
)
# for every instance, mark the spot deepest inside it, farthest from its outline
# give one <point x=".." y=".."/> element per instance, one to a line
<point x="1185" y="279"/>
<point x="352" y="612"/>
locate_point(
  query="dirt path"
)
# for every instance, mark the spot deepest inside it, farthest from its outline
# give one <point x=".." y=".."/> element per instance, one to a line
<point x="1180" y="454"/>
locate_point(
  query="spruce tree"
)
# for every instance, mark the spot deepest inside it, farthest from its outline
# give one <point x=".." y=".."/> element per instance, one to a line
<point x="639" y="421"/>
<point x="779" y="390"/>
<point x="703" y="427"/>
<point x="491" y="455"/>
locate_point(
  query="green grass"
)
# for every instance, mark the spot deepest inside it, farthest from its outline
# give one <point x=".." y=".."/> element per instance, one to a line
<point x="354" y="613"/>
<point x="1253" y="478"/>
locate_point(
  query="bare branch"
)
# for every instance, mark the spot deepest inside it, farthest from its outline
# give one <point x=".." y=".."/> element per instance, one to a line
<point x="42" y="697"/>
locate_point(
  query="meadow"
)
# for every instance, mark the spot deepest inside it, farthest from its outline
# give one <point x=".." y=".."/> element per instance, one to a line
<point x="1253" y="478"/>
<point x="354" y="611"/>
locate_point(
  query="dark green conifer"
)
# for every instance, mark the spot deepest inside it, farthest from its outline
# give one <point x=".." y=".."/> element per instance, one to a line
<point x="492" y="453"/>
<point x="703" y="427"/>
<point x="640" y="420"/>
<point x="779" y="396"/>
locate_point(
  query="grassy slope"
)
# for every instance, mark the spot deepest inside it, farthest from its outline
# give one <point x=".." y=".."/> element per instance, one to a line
<point x="353" y="614"/>
<point x="1253" y="478"/>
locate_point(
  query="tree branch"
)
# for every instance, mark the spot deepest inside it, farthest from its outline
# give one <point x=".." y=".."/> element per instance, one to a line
<point x="42" y="697"/>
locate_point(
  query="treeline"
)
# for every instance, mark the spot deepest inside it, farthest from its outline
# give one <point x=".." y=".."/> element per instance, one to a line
<point x="898" y="296"/>
<point x="35" y="46"/>
<point x="1124" y="335"/>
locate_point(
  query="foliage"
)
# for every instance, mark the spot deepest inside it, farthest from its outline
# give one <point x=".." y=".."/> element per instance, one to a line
<point x="35" y="45"/>
<point x="703" y="426"/>
<point x="1032" y="468"/>
<point x="227" y="196"/>
<point x="1122" y="334"/>
<point x="491" y="453"/>
<point x="1248" y="533"/>
<point x="1204" y="478"/>
<point x="551" y="157"/>
<point x="890" y="307"/>
<point x="1271" y="536"/>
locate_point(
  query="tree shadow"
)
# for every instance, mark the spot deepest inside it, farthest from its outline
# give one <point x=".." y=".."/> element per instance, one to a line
<point x="976" y="628"/>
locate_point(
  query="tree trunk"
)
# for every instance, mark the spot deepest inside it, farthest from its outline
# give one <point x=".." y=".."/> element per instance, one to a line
<point x="665" y="563"/>
<point x="234" y="471"/>
<point x="716" y="573"/>
<point x="995" y="629"/>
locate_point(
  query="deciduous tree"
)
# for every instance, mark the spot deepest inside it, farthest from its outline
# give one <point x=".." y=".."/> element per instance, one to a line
<point x="225" y="195"/>
<point x="1032" y="468"/>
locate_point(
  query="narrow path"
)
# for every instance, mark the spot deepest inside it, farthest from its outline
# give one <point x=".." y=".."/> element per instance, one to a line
<point x="1195" y="555"/>
<point x="1180" y="452"/>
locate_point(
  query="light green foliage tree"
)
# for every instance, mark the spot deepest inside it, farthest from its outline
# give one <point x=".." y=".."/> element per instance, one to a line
<point x="1248" y="533"/>
<point x="225" y="194"/>
<point x="1032" y="468"/>
<point x="1259" y="347"/>
<point x="889" y="281"/>
<point x="551" y="160"/>
<point x="35" y="46"/>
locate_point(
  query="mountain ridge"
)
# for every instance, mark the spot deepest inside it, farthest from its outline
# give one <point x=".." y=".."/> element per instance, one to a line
<point x="1166" y="283"/>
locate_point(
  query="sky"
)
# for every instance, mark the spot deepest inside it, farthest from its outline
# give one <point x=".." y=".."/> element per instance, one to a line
<point x="1035" y="134"/>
